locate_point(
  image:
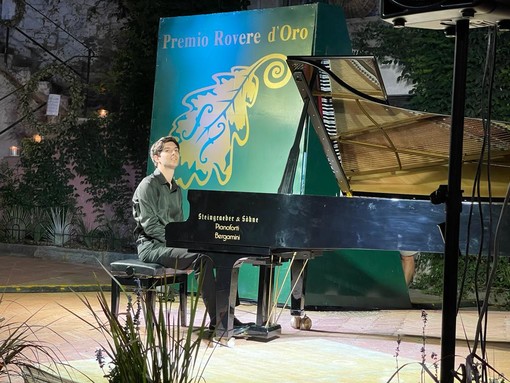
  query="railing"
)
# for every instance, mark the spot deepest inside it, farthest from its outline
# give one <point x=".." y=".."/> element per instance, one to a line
<point x="5" y="130"/>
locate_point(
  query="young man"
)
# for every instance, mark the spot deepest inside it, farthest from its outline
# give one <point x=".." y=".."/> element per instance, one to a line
<point x="157" y="201"/>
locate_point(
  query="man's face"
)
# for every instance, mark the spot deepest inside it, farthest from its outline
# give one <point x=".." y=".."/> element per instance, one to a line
<point x="169" y="156"/>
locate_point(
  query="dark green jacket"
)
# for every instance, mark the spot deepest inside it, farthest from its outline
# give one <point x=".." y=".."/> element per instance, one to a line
<point x="155" y="204"/>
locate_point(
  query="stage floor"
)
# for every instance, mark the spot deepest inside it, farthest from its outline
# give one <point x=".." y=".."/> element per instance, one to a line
<point x="342" y="346"/>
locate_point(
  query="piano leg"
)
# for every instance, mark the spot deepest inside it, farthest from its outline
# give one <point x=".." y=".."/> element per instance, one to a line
<point x="264" y="327"/>
<point x="265" y="301"/>
<point x="226" y="292"/>
<point x="297" y="299"/>
<point x="297" y="302"/>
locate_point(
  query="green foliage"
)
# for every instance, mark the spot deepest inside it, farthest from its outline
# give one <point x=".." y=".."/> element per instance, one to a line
<point x="8" y="182"/>
<point x="59" y="227"/>
<point x="108" y="236"/>
<point x="38" y="219"/>
<point x="46" y="176"/>
<point x="429" y="277"/>
<point x="99" y="155"/>
<point x="84" y="233"/>
<point x="45" y="180"/>
<point x="426" y="58"/>
<point x="112" y="235"/>
<point x="43" y="175"/>
<point x="71" y="85"/>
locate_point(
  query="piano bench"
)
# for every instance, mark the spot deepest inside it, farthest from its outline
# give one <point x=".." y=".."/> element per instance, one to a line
<point x="151" y="275"/>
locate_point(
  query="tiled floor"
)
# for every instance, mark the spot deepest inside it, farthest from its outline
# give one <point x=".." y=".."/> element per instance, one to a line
<point x="29" y="274"/>
<point x="342" y="346"/>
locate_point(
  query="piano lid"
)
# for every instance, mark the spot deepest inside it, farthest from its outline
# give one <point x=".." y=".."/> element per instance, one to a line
<point x="374" y="147"/>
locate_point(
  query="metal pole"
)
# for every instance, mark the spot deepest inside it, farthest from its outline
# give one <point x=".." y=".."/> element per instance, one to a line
<point x="6" y="49"/>
<point x="454" y="204"/>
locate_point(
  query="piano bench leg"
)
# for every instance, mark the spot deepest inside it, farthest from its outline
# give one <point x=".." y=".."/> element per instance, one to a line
<point x="115" y="295"/>
<point x="148" y="290"/>
<point x="183" y="300"/>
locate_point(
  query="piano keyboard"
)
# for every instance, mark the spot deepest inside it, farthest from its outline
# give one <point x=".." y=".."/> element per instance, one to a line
<point x="327" y="109"/>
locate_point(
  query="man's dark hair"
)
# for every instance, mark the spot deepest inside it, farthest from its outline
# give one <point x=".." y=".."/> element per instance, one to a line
<point x="157" y="147"/>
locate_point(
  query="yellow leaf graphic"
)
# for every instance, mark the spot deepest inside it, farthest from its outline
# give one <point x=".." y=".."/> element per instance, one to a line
<point x="216" y="119"/>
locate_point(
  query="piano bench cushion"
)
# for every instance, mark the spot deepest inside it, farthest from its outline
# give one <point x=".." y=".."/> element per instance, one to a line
<point x="139" y="269"/>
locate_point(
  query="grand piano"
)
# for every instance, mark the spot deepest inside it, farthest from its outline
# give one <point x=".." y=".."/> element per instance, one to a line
<point x="345" y="101"/>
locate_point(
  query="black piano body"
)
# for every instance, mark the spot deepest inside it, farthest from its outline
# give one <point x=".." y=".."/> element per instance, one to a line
<point x="231" y="226"/>
<point x="362" y="136"/>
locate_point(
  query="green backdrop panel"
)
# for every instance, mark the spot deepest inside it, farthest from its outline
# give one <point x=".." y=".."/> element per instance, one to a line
<point x="222" y="88"/>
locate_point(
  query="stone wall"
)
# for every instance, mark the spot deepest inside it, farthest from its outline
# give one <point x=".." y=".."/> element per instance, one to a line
<point x="66" y="28"/>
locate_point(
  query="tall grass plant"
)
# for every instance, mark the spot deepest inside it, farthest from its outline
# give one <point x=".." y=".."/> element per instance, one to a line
<point x="148" y="344"/>
<point x="23" y="354"/>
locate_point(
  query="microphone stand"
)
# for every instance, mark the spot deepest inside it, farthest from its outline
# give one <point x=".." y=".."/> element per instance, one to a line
<point x="454" y="204"/>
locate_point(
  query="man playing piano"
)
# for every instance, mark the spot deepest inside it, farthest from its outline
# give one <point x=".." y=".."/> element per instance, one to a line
<point x="156" y="202"/>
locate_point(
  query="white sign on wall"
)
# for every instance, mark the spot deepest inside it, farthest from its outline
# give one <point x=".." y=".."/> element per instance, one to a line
<point x="53" y="104"/>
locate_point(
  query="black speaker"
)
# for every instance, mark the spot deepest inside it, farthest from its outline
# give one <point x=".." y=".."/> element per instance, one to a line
<point x="440" y="14"/>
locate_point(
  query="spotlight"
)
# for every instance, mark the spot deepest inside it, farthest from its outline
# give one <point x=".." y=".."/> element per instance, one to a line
<point x="504" y="25"/>
<point x="468" y="13"/>
<point x="449" y="31"/>
<point x="399" y="23"/>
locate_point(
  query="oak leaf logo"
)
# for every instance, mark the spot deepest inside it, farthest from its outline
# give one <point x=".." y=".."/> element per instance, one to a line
<point x="216" y="120"/>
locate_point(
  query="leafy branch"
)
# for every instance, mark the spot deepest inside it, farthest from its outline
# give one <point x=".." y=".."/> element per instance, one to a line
<point x="426" y="58"/>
